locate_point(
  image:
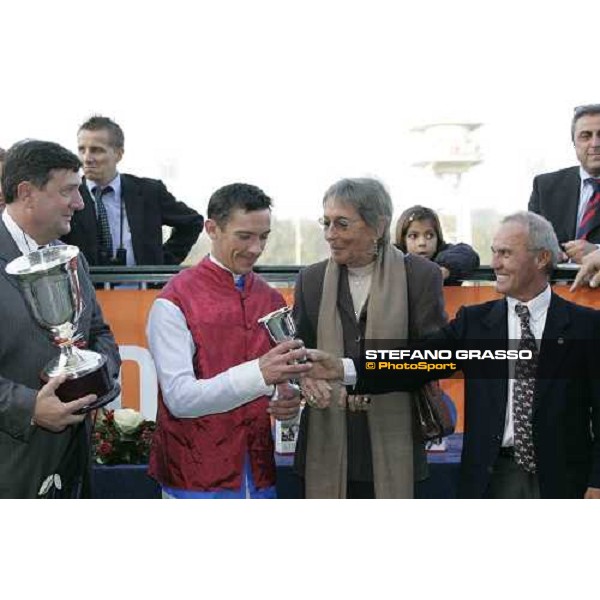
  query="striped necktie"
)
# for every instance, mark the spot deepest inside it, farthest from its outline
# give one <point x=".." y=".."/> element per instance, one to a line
<point x="589" y="220"/>
<point x="523" y="394"/>
<point x="105" y="245"/>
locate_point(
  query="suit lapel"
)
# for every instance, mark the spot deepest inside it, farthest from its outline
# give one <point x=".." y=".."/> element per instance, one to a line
<point x="87" y="216"/>
<point x="8" y="247"/>
<point x="553" y="347"/>
<point x="567" y="193"/>
<point x="131" y="195"/>
<point x="88" y="213"/>
<point x="8" y="251"/>
<point x="496" y="320"/>
<point x="495" y="328"/>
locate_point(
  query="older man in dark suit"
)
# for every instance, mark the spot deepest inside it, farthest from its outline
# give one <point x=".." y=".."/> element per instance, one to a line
<point x="122" y="218"/>
<point x="570" y="198"/>
<point x="532" y="429"/>
<point x="44" y="443"/>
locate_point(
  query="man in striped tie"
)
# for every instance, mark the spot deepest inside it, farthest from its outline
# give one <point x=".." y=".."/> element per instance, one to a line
<point x="570" y="198"/>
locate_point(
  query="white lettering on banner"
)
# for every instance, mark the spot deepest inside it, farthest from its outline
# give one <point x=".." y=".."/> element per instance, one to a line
<point x="148" y="380"/>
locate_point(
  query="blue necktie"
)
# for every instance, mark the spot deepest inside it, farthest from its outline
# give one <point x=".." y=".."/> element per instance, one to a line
<point x="239" y="282"/>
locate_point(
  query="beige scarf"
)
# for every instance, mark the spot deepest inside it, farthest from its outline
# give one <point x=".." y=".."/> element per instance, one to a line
<point x="389" y="415"/>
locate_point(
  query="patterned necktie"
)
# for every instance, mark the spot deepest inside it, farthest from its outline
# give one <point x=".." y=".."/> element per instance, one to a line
<point x="591" y="210"/>
<point x="523" y="393"/>
<point x="105" y="245"/>
<point x="239" y="282"/>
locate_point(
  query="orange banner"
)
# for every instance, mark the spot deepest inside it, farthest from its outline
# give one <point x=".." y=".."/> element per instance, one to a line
<point x="127" y="312"/>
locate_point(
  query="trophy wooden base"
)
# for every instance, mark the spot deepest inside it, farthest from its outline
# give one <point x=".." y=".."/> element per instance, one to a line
<point x="96" y="382"/>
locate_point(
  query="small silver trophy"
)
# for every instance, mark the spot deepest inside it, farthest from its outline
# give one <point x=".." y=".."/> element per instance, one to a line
<point x="48" y="279"/>
<point x="280" y="325"/>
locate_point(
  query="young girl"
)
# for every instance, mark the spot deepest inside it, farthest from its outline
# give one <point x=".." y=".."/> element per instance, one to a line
<point x="419" y="232"/>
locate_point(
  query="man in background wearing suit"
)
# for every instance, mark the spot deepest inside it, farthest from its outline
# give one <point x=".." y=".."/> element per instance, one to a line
<point x="532" y="429"/>
<point x="44" y="444"/>
<point x="570" y="198"/>
<point x="121" y="222"/>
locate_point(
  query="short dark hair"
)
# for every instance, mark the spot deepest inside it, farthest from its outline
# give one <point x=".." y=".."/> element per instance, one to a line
<point x="115" y="133"/>
<point x="2" y="154"/>
<point x="582" y="111"/>
<point x="34" y="161"/>
<point x="236" y="195"/>
<point x="418" y="213"/>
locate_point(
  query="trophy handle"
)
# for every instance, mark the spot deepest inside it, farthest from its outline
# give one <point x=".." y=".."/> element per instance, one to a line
<point x="75" y="292"/>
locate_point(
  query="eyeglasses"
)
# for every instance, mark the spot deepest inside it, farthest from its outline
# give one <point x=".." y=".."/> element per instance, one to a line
<point x="341" y="224"/>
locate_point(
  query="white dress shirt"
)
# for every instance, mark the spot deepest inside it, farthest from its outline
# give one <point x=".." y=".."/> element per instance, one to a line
<point x="538" y="310"/>
<point x="24" y="241"/>
<point x="172" y="347"/>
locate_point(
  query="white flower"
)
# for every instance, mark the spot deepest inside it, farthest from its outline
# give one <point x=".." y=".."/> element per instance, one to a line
<point x="127" y="420"/>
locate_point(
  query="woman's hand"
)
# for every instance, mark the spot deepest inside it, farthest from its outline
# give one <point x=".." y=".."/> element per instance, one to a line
<point x="317" y="392"/>
<point x="358" y="403"/>
<point x="325" y="365"/>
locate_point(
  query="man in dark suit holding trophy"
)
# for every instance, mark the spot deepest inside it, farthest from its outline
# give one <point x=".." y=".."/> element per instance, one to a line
<point x="44" y="443"/>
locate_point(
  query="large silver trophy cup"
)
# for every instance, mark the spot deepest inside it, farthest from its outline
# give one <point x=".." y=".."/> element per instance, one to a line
<point x="49" y="281"/>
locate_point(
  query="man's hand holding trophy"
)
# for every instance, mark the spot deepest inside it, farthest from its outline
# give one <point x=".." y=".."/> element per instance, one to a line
<point x="78" y="377"/>
<point x="282" y="329"/>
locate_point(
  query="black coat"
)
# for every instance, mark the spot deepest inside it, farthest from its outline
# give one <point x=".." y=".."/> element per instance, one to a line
<point x="149" y="206"/>
<point x="555" y="196"/>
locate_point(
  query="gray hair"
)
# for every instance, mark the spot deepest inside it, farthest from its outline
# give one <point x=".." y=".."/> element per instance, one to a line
<point x="540" y="234"/>
<point x="370" y="199"/>
<point x="582" y="111"/>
